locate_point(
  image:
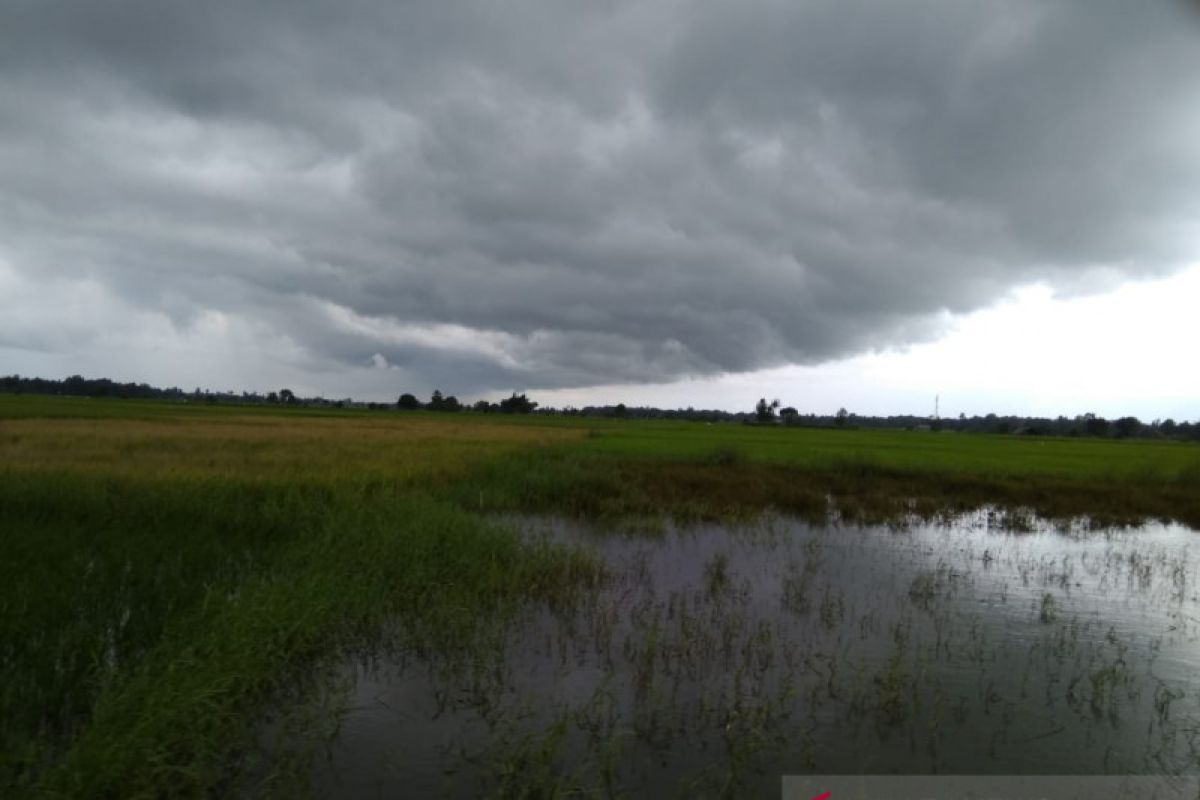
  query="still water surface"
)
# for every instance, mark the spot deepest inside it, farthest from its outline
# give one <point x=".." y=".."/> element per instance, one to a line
<point x="717" y="659"/>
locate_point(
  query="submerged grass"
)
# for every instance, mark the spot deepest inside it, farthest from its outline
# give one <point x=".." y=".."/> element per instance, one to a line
<point x="599" y="486"/>
<point x="182" y="713"/>
<point x="140" y="647"/>
<point x="169" y="569"/>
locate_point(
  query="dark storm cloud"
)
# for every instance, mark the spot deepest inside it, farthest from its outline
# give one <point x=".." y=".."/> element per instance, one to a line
<point x="553" y="194"/>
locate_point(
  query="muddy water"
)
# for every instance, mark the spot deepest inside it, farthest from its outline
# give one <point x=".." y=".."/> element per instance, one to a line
<point x="718" y="659"/>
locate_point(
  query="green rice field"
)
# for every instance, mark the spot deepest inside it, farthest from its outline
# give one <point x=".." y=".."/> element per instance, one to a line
<point x="189" y="593"/>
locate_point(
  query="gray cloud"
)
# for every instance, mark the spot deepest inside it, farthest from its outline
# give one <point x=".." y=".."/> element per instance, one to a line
<point x="540" y="194"/>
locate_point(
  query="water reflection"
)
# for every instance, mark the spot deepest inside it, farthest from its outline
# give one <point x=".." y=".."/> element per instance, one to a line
<point x="717" y="659"/>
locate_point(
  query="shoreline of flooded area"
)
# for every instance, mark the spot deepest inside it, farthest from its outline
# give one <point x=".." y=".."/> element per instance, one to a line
<point x="716" y="659"/>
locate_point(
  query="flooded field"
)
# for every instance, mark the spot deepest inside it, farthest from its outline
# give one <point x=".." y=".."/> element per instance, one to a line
<point x="716" y="659"/>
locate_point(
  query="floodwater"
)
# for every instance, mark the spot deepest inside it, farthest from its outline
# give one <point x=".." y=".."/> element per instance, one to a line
<point x="718" y="659"/>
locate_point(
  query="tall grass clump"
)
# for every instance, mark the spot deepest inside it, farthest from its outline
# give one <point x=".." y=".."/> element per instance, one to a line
<point x="146" y="624"/>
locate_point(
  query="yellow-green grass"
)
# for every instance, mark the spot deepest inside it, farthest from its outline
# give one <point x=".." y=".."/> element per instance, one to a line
<point x="278" y="447"/>
<point x="253" y="440"/>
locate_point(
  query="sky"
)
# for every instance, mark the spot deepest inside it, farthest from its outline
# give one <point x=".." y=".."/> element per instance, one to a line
<point x="839" y="203"/>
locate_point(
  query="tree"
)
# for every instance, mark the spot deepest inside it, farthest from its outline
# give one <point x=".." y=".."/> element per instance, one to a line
<point x="287" y="396"/>
<point x="621" y="411"/>
<point x="438" y="402"/>
<point x="408" y="402"/>
<point x="1127" y="426"/>
<point x="842" y="416"/>
<point x="789" y="415"/>
<point x="517" y="404"/>
<point x="764" y="411"/>
<point x="1095" y="426"/>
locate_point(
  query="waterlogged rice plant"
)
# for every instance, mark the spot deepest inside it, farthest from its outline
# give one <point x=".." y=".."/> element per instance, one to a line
<point x="1048" y="610"/>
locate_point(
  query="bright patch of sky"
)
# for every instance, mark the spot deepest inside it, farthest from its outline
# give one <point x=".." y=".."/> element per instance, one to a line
<point x="1131" y="350"/>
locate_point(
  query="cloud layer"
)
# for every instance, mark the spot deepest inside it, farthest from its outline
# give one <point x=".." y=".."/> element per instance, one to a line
<point x="537" y="194"/>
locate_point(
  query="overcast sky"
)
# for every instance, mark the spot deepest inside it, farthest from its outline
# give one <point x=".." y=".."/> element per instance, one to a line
<point x="853" y="203"/>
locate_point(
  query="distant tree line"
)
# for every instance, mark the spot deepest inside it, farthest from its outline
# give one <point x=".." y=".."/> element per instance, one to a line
<point x="78" y="386"/>
<point x="765" y="412"/>
<point x="516" y="404"/>
<point x="1090" y="425"/>
<point x="773" y="413"/>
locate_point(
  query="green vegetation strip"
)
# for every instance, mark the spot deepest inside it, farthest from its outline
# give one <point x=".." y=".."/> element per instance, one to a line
<point x="721" y="486"/>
